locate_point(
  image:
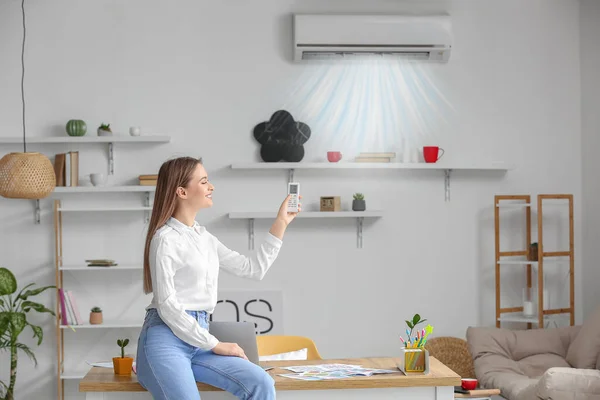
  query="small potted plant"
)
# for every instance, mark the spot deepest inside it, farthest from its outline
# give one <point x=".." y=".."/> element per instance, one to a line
<point x="96" y="316"/>
<point x="104" y="130"/>
<point x="122" y="365"/>
<point x="358" y="202"/>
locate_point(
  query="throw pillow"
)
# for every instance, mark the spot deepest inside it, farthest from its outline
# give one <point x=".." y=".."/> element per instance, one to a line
<point x="291" y="355"/>
<point x="584" y="349"/>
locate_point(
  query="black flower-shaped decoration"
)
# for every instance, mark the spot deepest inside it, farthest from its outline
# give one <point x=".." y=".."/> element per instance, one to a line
<point x="282" y="138"/>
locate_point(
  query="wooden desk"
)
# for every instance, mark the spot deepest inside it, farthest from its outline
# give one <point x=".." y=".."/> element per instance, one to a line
<point x="102" y="383"/>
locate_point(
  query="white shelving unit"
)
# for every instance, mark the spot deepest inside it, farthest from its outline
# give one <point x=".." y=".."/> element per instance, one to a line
<point x="439" y="166"/>
<point x="523" y="258"/>
<point x="359" y="215"/>
<point x="81" y="268"/>
<point x="60" y="269"/>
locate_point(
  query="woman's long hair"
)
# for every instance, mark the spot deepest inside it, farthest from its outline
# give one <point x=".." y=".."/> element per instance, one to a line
<point x="172" y="174"/>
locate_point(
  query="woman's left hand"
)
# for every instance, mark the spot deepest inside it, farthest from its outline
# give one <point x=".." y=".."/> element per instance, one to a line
<point x="286" y="216"/>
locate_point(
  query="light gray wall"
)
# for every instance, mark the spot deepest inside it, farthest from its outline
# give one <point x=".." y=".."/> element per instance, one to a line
<point x="590" y="140"/>
<point x="206" y="73"/>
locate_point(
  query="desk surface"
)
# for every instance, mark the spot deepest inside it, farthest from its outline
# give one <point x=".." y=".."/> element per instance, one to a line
<point x="104" y="380"/>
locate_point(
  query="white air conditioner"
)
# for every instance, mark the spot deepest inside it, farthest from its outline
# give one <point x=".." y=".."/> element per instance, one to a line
<point x="322" y="36"/>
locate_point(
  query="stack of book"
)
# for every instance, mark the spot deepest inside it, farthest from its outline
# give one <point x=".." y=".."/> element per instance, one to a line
<point x="68" y="308"/>
<point x="148" y="180"/>
<point x="101" y="263"/>
<point x="66" y="168"/>
<point x="378" y="157"/>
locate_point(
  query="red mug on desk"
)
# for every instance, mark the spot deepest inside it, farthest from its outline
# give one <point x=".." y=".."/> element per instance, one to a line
<point x="430" y="153"/>
<point x="334" y="156"/>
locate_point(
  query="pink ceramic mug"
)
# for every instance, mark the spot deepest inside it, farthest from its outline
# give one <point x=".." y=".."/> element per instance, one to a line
<point x="334" y="156"/>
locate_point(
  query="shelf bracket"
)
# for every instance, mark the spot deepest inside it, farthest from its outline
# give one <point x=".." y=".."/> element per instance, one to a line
<point x="291" y="175"/>
<point x="447" y="183"/>
<point x="147" y="204"/>
<point x="251" y="233"/>
<point x="359" y="232"/>
<point x="111" y="159"/>
<point x="37" y="214"/>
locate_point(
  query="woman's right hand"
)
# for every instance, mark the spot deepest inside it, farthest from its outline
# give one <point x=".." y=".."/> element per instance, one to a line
<point x="229" y="349"/>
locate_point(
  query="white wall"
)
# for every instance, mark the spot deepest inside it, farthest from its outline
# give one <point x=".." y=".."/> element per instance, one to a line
<point x="206" y="73"/>
<point x="590" y="140"/>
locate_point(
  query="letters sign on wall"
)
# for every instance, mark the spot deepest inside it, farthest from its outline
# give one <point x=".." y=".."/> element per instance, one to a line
<point x="262" y="307"/>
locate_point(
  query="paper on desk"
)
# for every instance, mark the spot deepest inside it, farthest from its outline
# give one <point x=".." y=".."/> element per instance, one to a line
<point x="331" y="371"/>
<point x="103" y="364"/>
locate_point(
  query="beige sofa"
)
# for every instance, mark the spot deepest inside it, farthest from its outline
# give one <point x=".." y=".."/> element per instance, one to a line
<point x="552" y="364"/>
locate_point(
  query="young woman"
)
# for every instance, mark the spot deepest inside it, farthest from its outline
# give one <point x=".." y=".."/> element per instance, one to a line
<point x="181" y="268"/>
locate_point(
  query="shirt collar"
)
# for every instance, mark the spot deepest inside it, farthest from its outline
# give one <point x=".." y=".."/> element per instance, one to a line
<point x="181" y="227"/>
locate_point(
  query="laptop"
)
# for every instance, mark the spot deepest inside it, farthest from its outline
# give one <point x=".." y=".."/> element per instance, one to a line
<point x="241" y="333"/>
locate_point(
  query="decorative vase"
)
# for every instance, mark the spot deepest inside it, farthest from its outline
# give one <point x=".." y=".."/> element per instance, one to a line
<point x="359" y="205"/>
<point x="533" y="252"/>
<point x="414" y="361"/>
<point x="95" y="318"/>
<point x="122" y="365"/>
<point x="76" y="127"/>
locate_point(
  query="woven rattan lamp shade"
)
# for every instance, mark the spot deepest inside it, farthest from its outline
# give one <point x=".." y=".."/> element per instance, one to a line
<point x="26" y="176"/>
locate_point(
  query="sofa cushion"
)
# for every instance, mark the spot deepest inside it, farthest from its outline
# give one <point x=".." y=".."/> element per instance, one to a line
<point x="569" y="384"/>
<point x="585" y="348"/>
<point x="525" y="352"/>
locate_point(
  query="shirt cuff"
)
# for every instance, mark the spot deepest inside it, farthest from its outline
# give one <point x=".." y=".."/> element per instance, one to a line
<point x="212" y="342"/>
<point x="273" y="240"/>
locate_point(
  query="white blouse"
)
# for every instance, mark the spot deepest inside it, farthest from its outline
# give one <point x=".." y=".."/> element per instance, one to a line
<point x="184" y="265"/>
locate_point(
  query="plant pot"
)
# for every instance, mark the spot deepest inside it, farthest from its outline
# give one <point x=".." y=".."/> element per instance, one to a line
<point x="359" y="205"/>
<point x="102" y="132"/>
<point x="122" y="365"/>
<point x="414" y="361"/>
<point x="95" y="318"/>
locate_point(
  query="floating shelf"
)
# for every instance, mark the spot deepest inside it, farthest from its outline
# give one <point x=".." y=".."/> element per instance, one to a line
<point x="116" y="138"/>
<point x="447" y="168"/>
<point x="519" y="317"/>
<point x="76" y="374"/>
<point x="101" y="209"/>
<point x="103" y="189"/>
<point x="308" y="214"/>
<point x="533" y="263"/>
<point x="104" y="325"/>
<point x="91" y="139"/>
<point x="112" y="268"/>
<point x="359" y="215"/>
<point x="96" y="189"/>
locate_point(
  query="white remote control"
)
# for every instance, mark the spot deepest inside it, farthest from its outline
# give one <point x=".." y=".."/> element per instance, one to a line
<point x="294" y="191"/>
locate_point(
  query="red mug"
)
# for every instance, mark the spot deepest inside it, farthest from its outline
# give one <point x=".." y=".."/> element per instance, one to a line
<point x="468" y="383"/>
<point x="430" y="153"/>
<point x="334" y="156"/>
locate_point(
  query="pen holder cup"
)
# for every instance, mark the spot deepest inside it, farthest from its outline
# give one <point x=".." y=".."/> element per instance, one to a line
<point x="414" y="361"/>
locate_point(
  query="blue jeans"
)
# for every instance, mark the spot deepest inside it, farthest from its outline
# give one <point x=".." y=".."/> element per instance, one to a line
<point x="168" y="367"/>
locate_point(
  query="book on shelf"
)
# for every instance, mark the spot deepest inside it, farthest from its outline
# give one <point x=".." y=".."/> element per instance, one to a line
<point x="69" y="311"/>
<point x="66" y="168"/>
<point x="476" y="394"/>
<point x="148" y="180"/>
<point x="373" y="159"/>
<point x="389" y="154"/>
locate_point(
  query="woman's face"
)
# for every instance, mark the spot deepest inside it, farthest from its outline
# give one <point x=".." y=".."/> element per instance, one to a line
<point x="198" y="192"/>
